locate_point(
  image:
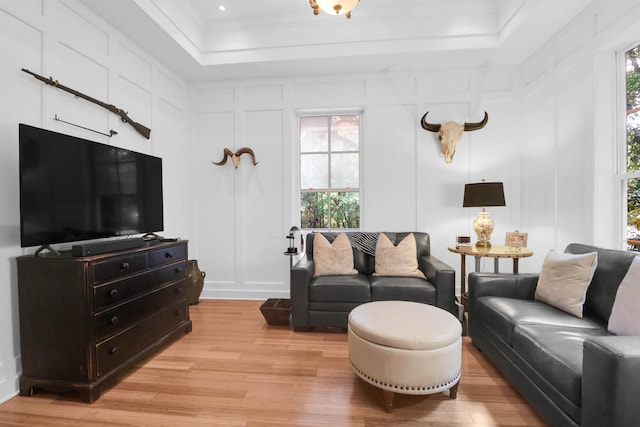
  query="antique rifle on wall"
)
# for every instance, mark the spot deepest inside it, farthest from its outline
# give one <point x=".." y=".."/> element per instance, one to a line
<point x="142" y="130"/>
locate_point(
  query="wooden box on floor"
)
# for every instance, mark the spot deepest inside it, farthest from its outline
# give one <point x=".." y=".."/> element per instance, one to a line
<point x="276" y="311"/>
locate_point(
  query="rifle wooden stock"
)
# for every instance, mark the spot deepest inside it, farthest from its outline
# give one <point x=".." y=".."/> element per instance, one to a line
<point x="142" y="130"/>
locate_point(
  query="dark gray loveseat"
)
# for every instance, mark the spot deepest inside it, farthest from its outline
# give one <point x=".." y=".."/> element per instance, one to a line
<point x="327" y="300"/>
<point x="571" y="370"/>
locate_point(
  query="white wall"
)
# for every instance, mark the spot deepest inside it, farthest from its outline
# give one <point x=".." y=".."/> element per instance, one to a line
<point x="241" y="217"/>
<point x="64" y="40"/>
<point x="573" y="118"/>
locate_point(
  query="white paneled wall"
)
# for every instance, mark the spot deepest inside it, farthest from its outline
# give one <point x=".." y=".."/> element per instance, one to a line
<point x="243" y="215"/>
<point x="569" y="104"/>
<point x="21" y="45"/>
<point x="389" y="165"/>
<point x="60" y="38"/>
<point x="240" y="216"/>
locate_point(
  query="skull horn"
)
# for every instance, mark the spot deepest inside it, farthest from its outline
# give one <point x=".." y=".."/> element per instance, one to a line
<point x="432" y="127"/>
<point x="476" y="126"/>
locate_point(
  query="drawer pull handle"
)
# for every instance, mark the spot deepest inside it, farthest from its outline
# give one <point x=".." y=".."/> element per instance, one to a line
<point x="179" y="291"/>
<point x="114" y="320"/>
<point x="180" y="312"/>
<point x="114" y="351"/>
<point x="124" y="265"/>
<point x="178" y="270"/>
<point x="168" y="254"/>
<point x="113" y="293"/>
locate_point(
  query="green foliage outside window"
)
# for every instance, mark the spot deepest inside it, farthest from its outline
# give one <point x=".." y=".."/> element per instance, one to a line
<point x="314" y="210"/>
<point x="344" y="208"/>
<point x="633" y="143"/>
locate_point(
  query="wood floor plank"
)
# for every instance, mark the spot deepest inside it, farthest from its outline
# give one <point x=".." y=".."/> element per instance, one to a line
<point x="235" y="370"/>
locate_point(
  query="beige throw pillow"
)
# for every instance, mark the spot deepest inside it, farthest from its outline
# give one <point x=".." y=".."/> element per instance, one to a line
<point x="625" y="316"/>
<point x="332" y="258"/>
<point x="398" y="260"/>
<point x="564" y="280"/>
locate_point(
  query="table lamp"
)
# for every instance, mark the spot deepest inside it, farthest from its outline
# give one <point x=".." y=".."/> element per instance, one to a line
<point x="483" y="194"/>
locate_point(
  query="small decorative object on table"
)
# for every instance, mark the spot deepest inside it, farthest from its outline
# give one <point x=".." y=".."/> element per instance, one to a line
<point x="292" y="243"/>
<point x="515" y="241"/>
<point x="292" y="251"/>
<point x="195" y="277"/>
<point x="463" y="242"/>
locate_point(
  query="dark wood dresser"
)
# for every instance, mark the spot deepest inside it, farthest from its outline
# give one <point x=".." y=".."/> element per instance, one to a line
<point x="86" y="320"/>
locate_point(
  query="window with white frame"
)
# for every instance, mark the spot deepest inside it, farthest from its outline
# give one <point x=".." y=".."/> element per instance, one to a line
<point x="330" y="171"/>
<point x="631" y="173"/>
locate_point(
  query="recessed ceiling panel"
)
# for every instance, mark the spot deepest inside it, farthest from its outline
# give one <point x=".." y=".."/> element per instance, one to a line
<point x="278" y="36"/>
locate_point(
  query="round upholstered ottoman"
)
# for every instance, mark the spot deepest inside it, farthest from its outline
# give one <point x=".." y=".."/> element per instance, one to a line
<point x="405" y="347"/>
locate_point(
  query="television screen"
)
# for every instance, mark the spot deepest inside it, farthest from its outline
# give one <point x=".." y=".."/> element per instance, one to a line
<point x="73" y="189"/>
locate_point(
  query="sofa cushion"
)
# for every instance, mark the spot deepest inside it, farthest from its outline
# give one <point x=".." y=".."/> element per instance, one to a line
<point x="502" y="314"/>
<point x="402" y="289"/>
<point x="332" y="258"/>
<point x="564" y="280"/>
<point x="554" y="355"/>
<point x="344" y="288"/>
<point x="625" y="316"/>
<point x="362" y="262"/>
<point x="400" y="260"/>
<point x="612" y="267"/>
<point x="423" y="244"/>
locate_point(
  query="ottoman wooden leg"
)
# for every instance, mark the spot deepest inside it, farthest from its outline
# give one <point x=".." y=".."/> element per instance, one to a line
<point x="453" y="391"/>
<point x="388" y="400"/>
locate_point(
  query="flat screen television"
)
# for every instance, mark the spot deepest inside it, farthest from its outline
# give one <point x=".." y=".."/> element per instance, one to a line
<point x="73" y="189"/>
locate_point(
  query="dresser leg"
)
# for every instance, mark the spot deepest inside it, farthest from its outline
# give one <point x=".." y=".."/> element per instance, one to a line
<point x="26" y="390"/>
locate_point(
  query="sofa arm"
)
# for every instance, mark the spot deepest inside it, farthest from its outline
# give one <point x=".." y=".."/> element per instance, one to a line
<point x="300" y="275"/>
<point x="611" y="381"/>
<point x="522" y="286"/>
<point x="443" y="276"/>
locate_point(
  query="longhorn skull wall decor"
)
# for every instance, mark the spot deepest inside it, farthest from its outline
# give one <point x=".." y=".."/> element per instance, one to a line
<point x="235" y="157"/>
<point x="450" y="133"/>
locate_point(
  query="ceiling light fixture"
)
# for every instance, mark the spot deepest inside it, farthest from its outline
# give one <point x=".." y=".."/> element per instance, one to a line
<point x="334" y="7"/>
<point x="221" y="8"/>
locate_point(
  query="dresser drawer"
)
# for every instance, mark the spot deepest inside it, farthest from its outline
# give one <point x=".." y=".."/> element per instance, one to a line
<point x="118" y="291"/>
<point x="121" y="317"/>
<point x="120" y="348"/>
<point x="113" y="268"/>
<point x="167" y="254"/>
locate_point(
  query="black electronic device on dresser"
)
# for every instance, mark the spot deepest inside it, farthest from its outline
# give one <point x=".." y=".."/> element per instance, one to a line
<point x="85" y="320"/>
<point x="74" y="189"/>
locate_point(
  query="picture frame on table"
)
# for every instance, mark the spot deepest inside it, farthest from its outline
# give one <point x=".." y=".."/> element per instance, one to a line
<point x="515" y="240"/>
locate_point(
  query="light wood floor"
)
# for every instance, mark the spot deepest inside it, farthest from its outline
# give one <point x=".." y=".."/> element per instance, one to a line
<point x="234" y="370"/>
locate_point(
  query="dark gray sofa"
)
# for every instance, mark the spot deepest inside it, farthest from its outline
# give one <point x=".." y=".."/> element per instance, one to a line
<point x="326" y="301"/>
<point x="571" y="370"/>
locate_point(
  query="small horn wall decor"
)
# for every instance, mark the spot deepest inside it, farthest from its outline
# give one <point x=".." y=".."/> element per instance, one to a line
<point x="235" y="157"/>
